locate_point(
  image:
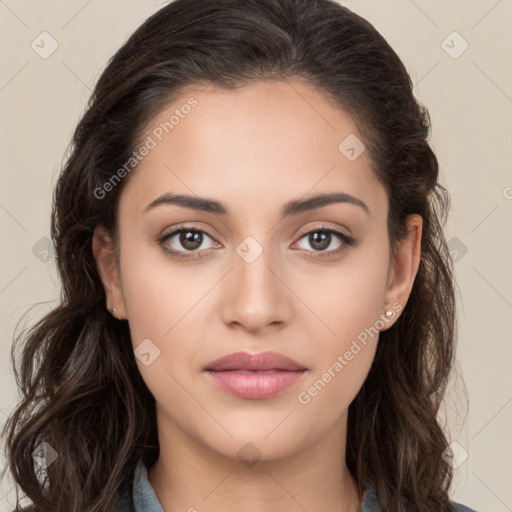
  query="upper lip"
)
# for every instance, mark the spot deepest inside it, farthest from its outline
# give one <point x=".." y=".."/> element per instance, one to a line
<point x="262" y="362"/>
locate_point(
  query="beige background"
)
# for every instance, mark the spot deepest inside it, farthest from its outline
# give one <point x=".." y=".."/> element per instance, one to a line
<point x="469" y="97"/>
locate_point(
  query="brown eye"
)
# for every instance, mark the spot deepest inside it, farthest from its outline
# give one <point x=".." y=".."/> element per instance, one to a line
<point x="326" y="242"/>
<point x="190" y="240"/>
<point x="320" y="240"/>
<point x="186" y="242"/>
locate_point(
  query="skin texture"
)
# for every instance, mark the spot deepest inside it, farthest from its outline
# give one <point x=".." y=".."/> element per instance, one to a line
<point x="254" y="149"/>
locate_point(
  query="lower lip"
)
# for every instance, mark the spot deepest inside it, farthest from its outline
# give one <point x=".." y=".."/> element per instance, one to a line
<point x="255" y="386"/>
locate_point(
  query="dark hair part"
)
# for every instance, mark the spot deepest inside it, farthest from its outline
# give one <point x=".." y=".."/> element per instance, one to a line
<point x="82" y="391"/>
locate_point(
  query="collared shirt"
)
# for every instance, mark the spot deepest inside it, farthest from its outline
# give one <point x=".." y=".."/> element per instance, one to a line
<point x="142" y="497"/>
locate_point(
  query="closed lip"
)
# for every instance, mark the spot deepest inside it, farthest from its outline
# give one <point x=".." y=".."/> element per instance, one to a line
<point x="254" y="362"/>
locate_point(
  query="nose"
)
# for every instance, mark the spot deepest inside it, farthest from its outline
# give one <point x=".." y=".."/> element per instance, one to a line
<point x="256" y="296"/>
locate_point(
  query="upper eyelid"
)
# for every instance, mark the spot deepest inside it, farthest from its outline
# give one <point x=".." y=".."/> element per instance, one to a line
<point x="324" y="226"/>
<point x="179" y="228"/>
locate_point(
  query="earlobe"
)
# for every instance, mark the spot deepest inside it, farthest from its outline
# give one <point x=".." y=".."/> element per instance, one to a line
<point x="104" y="254"/>
<point x="405" y="263"/>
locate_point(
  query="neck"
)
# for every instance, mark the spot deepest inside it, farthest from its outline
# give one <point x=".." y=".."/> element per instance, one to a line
<point x="189" y="475"/>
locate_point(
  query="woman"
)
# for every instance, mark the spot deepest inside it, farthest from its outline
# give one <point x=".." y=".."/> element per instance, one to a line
<point x="258" y="304"/>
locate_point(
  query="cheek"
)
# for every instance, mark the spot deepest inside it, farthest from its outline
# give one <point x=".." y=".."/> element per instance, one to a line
<point x="327" y="395"/>
<point x="167" y="305"/>
<point x="345" y="352"/>
<point x="348" y="297"/>
<point x="162" y="303"/>
<point x="154" y="291"/>
<point x="348" y="301"/>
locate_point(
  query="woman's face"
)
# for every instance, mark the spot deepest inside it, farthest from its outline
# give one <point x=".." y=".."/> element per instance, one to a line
<point x="243" y="277"/>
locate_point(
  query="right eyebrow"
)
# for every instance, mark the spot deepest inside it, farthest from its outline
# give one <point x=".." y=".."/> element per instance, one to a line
<point x="193" y="202"/>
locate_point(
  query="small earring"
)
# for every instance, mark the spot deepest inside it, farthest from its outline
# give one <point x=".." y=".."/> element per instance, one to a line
<point x="113" y="309"/>
<point x="389" y="313"/>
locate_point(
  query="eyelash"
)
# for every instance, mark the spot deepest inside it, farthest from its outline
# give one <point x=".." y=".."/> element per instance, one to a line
<point x="347" y="240"/>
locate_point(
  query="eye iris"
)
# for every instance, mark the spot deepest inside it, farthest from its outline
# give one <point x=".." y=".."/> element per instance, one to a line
<point x="191" y="239"/>
<point x="322" y="238"/>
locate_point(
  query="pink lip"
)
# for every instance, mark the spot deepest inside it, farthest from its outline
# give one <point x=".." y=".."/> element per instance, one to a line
<point x="256" y="362"/>
<point x="238" y="375"/>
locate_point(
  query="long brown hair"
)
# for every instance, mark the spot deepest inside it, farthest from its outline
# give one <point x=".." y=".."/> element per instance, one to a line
<point x="81" y="389"/>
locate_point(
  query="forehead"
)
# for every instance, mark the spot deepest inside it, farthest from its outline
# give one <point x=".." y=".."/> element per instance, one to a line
<point x="265" y="141"/>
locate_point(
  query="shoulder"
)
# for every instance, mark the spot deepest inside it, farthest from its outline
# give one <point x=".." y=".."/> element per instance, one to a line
<point x="458" y="507"/>
<point x="371" y="502"/>
<point x="125" y="503"/>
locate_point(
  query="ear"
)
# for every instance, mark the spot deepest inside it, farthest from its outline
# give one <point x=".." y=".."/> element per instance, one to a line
<point x="103" y="250"/>
<point x="404" y="266"/>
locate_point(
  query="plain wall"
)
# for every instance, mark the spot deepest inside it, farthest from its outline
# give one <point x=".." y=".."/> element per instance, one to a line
<point x="469" y="97"/>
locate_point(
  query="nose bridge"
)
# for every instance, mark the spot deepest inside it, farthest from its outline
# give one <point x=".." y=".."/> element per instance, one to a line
<point x="252" y="264"/>
<point x="257" y="297"/>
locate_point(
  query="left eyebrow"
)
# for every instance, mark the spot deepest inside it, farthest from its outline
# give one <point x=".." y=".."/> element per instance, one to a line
<point x="294" y="207"/>
<point x="311" y="203"/>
